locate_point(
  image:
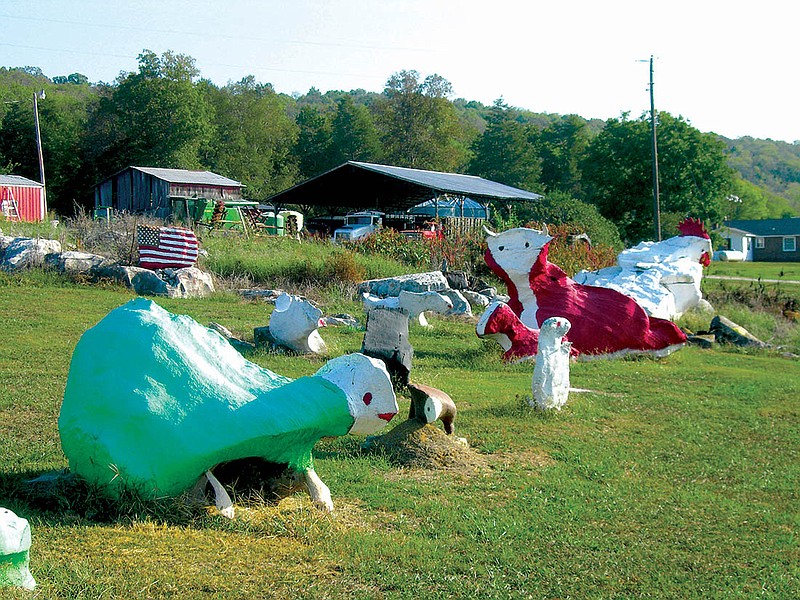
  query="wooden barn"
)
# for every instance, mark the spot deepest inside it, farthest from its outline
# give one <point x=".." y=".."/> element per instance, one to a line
<point x="22" y="199"/>
<point x="161" y="192"/>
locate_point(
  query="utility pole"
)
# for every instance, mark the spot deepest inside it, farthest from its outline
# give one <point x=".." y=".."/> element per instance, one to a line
<point x="656" y="201"/>
<point x="36" y="96"/>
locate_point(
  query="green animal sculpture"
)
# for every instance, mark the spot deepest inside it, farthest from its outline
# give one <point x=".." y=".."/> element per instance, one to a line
<point x="155" y="400"/>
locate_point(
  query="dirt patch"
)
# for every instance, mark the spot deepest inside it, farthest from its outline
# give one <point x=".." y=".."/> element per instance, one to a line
<point x="416" y="445"/>
<point x="531" y="459"/>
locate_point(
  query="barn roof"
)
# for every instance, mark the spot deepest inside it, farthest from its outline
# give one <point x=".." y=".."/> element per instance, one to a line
<point x="184" y="176"/>
<point x="19" y="181"/>
<point x="387" y="188"/>
<point x="767" y="227"/>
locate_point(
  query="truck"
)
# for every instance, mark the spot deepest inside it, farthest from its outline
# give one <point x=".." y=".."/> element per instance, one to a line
<point x="358" y="225"/>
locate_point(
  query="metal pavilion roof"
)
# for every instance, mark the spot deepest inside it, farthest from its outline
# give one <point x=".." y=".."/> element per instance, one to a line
<point x="388" y="188"/>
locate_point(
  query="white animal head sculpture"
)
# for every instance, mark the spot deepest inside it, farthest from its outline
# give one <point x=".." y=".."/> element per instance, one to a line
<point x="15" y="543"/>
<point x="553" y="331"/>
<point x="515" y="250"/>
<point x="294" y="324"/>
<point x="368" y="387"/>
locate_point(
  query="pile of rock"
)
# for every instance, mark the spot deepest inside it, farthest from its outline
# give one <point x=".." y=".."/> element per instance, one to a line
<point x="19" y="253"/>
<point x="463" y="291"/>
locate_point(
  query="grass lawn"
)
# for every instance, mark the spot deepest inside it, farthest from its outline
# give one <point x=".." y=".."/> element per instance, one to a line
<point x="789" y="271"/>
<point x="674" y="478"/>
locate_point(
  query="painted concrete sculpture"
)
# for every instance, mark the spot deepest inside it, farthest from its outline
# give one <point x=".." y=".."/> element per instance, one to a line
<point x="604" y="321"/>
<point x="294" y="324"/>
<point x="551" y="373"/>
<point x="15" y="545"/>
<point x="663" y="277"/>
<point x="155" y="400"/>
<point x="413" y="303"/>
<point x="386" y="339"/>
<point x="429" y="404"/>
<point x="499" y="323"/>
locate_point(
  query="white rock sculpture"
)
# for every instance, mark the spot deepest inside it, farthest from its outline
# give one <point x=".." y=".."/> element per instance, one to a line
<point x="663" y="277"/>
<point x="412" y="303"/>
<point x="551" y="373"/>
<point x="461" y="306"/>
<point x="15" y="545"/>
<point x="294" y="324"/>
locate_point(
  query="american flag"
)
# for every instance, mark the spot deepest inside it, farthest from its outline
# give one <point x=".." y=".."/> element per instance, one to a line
<point x="166" y="247"/>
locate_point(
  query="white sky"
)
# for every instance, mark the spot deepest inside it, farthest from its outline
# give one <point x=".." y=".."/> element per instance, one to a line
<point x="728" y="67"/>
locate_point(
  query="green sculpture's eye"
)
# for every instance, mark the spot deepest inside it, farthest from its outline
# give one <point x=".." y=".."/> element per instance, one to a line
<point x="367" y="398"/>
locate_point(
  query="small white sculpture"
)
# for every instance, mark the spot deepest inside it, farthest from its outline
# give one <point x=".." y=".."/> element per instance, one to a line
<point x="15" y="544"/>
<point x="412" y="303"/>
<point x="294" y="324"/>
<point x="551" y="373"/>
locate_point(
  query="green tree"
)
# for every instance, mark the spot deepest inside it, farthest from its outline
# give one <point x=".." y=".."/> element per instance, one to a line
<point x="560" y="208"/>
<point x="694" y="177"/>
<point x="507" y="151"/>
<point x="62" y="118"/>
<point x="563" y="147"/>
<point x="418" y="125"/>
<point x="158" y="114"/>
<point x="314" y="141"/>
<point x="253" y="137"/>
<point x="354" y="135"/>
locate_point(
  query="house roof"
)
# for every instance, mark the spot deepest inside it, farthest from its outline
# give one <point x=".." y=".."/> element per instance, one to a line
<point x="388" y="188"/>
<point x="766" y="227"/>
<point x="19" y="181"/>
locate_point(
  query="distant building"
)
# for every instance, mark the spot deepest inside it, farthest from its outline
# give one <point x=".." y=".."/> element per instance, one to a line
<point x="21" y="199"/>
<point x="161" y="192"/>
<point x="763" y="240"/>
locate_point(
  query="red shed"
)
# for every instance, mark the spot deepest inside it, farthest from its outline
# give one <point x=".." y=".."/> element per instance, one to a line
<point x="21" y="199"/>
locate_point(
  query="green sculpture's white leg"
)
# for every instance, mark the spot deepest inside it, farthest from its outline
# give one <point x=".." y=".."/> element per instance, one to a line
<point x="319" y="492"/>
<point x="222" y="500"/>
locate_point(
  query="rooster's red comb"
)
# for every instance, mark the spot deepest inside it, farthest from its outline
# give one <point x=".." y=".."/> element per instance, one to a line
<point x="693" y="226"/>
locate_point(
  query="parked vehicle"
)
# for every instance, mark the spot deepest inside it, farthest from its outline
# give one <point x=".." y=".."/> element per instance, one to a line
<point x="430" y="230"/>
<point x="358" y="225"/>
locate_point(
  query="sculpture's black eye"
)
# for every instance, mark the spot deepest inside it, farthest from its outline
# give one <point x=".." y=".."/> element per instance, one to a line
<point x="527" y="245"/>
<point x="500" y="248"/>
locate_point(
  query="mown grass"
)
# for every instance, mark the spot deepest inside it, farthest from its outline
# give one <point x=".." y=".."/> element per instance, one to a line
<point x="764" y="270"/>
<point x="675" y="478"/>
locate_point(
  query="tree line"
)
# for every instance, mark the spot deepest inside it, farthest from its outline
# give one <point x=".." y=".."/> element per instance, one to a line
<point x="166" y="115"/>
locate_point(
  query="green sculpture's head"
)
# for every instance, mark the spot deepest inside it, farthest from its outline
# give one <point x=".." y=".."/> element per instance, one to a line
<point x="366" y="383"/>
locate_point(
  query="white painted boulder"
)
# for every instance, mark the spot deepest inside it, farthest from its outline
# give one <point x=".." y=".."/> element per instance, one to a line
<point x="24" y="253"/>
<point x="551" y="373"/>
<point x="461" y="306"/>
<point x="294" y="324"/>
<point x="414" y="304"/>
<point x="73" y="262"/>
<point x="15" y="545"/>
<point x="431" y="281"/>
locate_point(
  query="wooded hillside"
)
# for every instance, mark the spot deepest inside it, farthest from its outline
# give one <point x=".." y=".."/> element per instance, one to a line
<point x="166" y="115"/>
